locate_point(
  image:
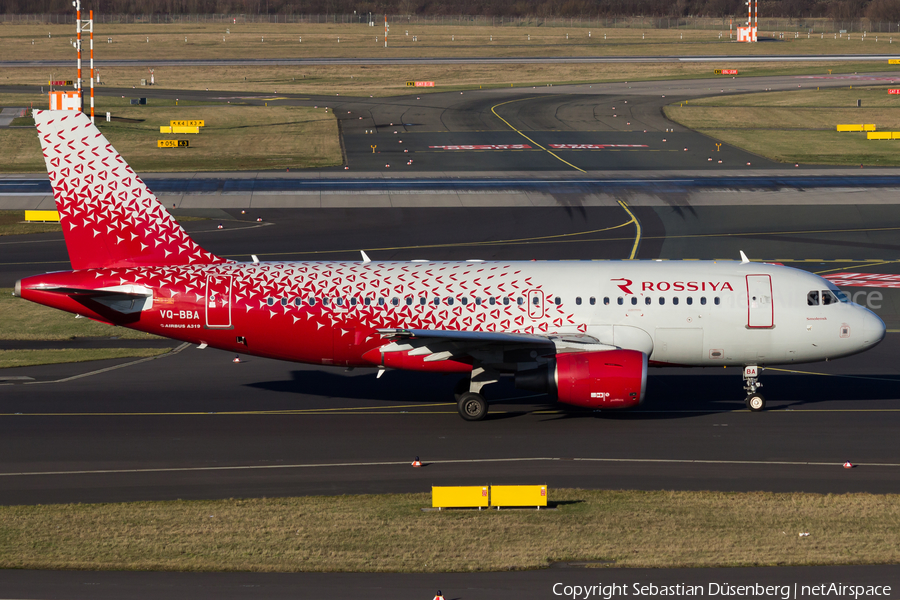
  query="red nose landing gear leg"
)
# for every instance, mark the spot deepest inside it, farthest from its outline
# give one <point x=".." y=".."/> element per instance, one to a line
<point x="471" y="404"/>
<point x="755" y="401"/>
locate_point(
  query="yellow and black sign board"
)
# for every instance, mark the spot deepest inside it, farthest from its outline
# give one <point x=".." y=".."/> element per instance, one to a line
<point x="173" y="143"/>
<point x="894" y="61"/>
<point x="726" y="72"/>
<point x="58" y="82"/>
<point x="195" y="123"/>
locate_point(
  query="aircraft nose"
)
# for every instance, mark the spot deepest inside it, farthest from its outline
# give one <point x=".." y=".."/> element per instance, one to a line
<point x="873" y="329"/>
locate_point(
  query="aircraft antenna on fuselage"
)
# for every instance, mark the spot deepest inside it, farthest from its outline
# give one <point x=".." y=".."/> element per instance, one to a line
<point x="365" y="256"/>
<point x="744" y="259"/>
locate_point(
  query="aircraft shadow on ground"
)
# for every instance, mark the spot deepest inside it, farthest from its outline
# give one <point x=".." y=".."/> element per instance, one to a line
<point x="685" y="395"/>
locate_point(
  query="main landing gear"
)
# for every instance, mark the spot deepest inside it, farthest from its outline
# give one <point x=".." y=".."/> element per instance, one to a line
<point x="755" y="401"/>
<point x="471" y="404"/>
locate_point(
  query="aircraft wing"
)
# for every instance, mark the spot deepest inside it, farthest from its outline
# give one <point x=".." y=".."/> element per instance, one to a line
<point x="485" y="347"/>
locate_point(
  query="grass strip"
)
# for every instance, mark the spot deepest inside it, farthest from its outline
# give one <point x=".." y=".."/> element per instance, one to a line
<point x="30" y="358"/>
<point x="23" y="320"/>
<point x="413" y="40"/>
<point x="392" y="533"/>
<point x="12" y="223"/>
<point x="799" y="126"/>
<point x="234" y="138"/>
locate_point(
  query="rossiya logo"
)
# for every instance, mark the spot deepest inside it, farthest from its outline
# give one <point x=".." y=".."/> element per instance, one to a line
<point x="675" y="286"/>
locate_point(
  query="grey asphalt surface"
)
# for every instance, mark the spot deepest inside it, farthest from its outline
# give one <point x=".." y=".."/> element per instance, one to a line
<point x="74" y="585"/>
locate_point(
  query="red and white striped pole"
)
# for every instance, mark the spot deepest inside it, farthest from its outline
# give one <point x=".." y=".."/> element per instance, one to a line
<point x="78" y="49"/>
<point x="92" y="66"/>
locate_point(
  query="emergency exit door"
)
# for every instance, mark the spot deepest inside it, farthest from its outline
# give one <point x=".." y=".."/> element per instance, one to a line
<point x="760" y="307"/>
<point x="218" y="301"/>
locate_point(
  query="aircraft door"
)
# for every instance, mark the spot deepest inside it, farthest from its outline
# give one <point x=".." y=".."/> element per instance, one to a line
<point x="535" y="304"/>
<point x="760" y="307"/>
<point x="218" y="301"/>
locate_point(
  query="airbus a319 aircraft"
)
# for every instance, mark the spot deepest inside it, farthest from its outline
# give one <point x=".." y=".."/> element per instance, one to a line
<point x="584" y="332"/>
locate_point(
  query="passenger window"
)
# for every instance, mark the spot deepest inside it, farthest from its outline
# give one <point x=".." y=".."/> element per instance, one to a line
<point x="647" y="300"/>
<point x="633" y="300"/>
<point x="449" y="301"/>
<point x="675" y="300"/>
<point x="492" y="301"/>
<point x="662" y="300"/>
<point x="284" y="301"/>
<point x="339" y="301"/>
<point x="381" y="302"/>
<point x="422" y="301"/>
<point x="505" y="300"/>
<point x="593" y="301"/>
<point x="270" y="301"/>
<point x="520" y="301"/>
<point x="703" y="300"/>
<point x="828" y="297"/>
<point x="312" y="301"/>
<point x="621" y="301"/>
<point x="367" y="301"/>
<point x="353" y="301"/>
<point x="605" y="301"/>
<point x="324" y="301"/>
<point x="716" y="301"/>
<point x="557" y="301"/>
<point x="577" y="300"/>
<point x="477" y="301"/>
<point x="395" y="301"/>
<point x="812" y="298"/>
<point x="689" y="300"/>
<point x="437" y="301"/>
<point x="409" y="300"/>
<point x="464" y="300"/>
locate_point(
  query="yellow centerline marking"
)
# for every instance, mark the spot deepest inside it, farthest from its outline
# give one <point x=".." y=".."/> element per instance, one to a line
<point x="637" y="225"/>
<point x="866" y="377"/>
<point x="302" y="411"/>
<point x="528" y="138"/>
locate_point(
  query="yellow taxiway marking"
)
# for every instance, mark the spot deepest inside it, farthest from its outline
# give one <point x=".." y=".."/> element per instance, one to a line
<point x="637" y="225"/>
<point x="302" y="411"/>
<point x="866" y="377"/>
<point x="528" y="138"/>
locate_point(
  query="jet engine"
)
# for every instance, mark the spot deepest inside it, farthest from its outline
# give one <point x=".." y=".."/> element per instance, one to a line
<point x="606" y="379"/>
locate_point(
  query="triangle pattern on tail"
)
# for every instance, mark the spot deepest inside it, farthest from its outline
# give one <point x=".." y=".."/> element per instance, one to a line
<point x="108" y="215"/>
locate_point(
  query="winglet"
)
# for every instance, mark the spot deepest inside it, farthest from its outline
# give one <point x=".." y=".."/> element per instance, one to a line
<point x="365" y="256"/>
<point x="744" y="259"/>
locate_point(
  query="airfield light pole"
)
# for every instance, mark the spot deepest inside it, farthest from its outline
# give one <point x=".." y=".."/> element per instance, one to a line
<point x="386" y="27"/>
<point x="91" y="26"/>
<point x="77" y="5"/>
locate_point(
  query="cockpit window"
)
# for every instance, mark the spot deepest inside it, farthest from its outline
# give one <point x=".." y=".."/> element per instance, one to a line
<point x="828" y="297"/>
<point x="842" y="296"/>
<point x="812" y="298"/>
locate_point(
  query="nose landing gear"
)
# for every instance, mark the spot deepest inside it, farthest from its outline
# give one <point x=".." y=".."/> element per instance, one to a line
<point x="755" y="401"/>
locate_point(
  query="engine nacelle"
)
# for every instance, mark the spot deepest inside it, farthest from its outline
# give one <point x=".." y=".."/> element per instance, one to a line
<point x="607" y="379"/>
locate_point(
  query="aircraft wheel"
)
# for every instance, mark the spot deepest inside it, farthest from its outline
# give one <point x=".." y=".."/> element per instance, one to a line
<point x="756" y="403"/>
<point x="472" y="406"/>
<point x="462" y="386"/>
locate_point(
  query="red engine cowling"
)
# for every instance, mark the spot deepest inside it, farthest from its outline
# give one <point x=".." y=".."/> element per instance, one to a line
<point x="608" y="379"/>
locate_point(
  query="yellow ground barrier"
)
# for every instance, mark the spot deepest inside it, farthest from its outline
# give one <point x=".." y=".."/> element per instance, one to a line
<point x="518" y="495"/>
<point x="881" y="135"/>
<point x="41" y="215"/>
<point x="168" y="128"/>
<point x="855" y="127"/>
<point x="460" y="496"/>
<point x="179" y="129"/>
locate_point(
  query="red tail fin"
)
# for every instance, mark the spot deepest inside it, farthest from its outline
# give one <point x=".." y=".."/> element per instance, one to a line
<point x="109" y="217"/>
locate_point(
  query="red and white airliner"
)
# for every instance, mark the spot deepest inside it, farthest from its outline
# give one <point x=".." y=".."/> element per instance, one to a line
<point x="585" y="332"/>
